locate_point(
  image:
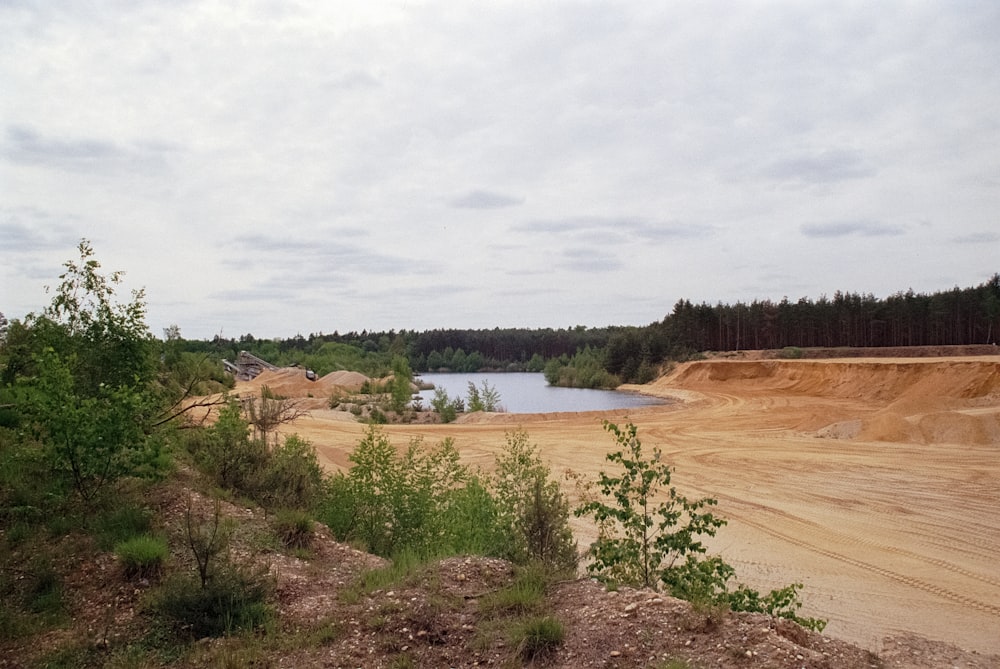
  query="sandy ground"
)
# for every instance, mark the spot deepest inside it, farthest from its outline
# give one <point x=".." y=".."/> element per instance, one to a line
<point x="874" y="482"/>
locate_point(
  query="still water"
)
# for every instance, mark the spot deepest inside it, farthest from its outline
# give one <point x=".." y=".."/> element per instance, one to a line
<point x="530" y="393"/>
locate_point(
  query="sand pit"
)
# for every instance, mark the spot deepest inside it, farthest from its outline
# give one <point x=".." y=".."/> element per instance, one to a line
<point x="875" y="483"/>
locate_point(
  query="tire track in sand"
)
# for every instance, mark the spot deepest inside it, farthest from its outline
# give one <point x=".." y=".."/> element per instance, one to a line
<point x="888" y="573"/>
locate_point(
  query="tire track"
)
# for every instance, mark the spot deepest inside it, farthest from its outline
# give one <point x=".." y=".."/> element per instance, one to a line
<point x="842" y="538"/>
<point x="888" y="573"/>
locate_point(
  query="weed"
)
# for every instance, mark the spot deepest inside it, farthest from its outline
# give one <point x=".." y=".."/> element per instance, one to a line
<point x="403" y="661"/>
<point x="142" y="556"/>
<point x="234" y="598"/>
<point x="525" y="595"/>
<point x="294" y="528"/>
<point x="537" y="637"/>
<point x="120" y="523"/>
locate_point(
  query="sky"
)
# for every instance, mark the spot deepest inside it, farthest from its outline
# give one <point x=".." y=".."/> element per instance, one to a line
<point x="281" y="168"/>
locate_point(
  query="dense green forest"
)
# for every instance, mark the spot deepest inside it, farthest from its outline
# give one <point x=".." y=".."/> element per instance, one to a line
<point x="606" y="356"/>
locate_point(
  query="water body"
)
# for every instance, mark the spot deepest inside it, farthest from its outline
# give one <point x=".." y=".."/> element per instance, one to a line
<point x="530" y="393"/>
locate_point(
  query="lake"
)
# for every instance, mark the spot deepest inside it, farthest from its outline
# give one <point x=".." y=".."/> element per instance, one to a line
<point x="530" y="393"/>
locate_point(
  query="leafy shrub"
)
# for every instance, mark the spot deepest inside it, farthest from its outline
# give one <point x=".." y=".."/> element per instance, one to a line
<point x="646" y="543"/>
<point x="446" y="408"/>
<point x="392" y="502"/>
<point x="283" y="475"/>
<point x="470" y="521"/>
<point x="291" y="476"/>
<point x="640" y="539"/>
<point x="486" y="398"/>
<point x="142" y="556"/>
<point x="533" y="514"/>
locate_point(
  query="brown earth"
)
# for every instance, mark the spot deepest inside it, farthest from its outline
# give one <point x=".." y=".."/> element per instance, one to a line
<point x="874" y="482"/>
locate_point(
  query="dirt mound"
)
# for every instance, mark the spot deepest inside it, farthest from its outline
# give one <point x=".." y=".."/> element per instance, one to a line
<point x="877" y="380"/>
<point x="916" y="400"/>
<point x="292" y="382"/>
<point x="345" y="379"/>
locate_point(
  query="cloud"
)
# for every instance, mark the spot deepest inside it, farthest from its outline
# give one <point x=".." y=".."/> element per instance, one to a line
<point x="850" y="228"/>
<point x="611" y="229"/>
<point x="26" y="146"/>
<point x="590" y="261"/>
<point x="315" y="261"/>
<point x="977" y="238"/>
<point x="28" y="230"/>
<point x="820" y="168"/>
<point x="482" y="199"/>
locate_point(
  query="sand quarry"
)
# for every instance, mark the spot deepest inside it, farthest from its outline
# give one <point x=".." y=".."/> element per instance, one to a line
<point x="874" y="482"/>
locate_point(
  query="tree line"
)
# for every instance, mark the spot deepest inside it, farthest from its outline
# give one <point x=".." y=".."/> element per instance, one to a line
<point x="960" y="316"/>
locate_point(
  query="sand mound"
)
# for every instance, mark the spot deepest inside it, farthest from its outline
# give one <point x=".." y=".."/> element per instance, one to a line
<point x="876" y="380"/>
<point x="291" y="382"/>
<point x="916" y="401"/>
<point x="348" y="380"/>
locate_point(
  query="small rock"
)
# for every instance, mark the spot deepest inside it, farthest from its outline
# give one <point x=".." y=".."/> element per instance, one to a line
<point x="616" y="653"/>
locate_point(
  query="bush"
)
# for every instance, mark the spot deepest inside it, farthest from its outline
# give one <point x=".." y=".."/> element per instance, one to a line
<point x="446" y="408"/>
<point x="142" y="556"/>
<point x="646" y="543"/>
<point x="234" y="599"/>
<point x="392" y="502"/>
<point x="294" y="527"/>
<point x="640" y="539"/>
<point x="533" y="514"/>
<point x="470" y="521"/>
<point x="291" y="476"/>
<point x="535" y="638"/>
<point x="285" y="475"/>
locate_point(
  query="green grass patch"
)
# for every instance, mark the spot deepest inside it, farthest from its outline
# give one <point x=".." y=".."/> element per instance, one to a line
<point x="526" y="595"/>
<point x="119" y="524"/>
<point x="537" y="637"/>
<point x="143" y="556"/>
<point x="294" y="528"/>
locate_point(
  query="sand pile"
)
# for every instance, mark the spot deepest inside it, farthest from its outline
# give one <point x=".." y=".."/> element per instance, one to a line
<point x="917" y="401"/>
<point x="889" y="380"/>
<point x="291" y="382"/>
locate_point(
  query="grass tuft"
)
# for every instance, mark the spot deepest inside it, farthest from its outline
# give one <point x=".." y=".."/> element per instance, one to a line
<point x="143" y="556"/>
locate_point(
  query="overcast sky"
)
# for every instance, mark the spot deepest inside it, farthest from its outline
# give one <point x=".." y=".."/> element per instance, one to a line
<point x="294" y="167"/>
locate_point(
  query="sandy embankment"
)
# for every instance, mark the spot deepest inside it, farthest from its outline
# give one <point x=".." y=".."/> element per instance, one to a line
<point x="874" y="482"/>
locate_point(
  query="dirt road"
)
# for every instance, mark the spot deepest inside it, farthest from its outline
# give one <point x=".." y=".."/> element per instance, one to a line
<point x="875" y="483"/>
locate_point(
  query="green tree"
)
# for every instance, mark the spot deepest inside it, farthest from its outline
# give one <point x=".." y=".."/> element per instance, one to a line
<point x="84" y="371"/>
<point x="648" y="536"/>
<point x="401" y="386"/>
<point x="532" y="512"/>
<point x="646" y="526"/>
<point x="447" y="408"/>
<point x="485" y="398"/>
